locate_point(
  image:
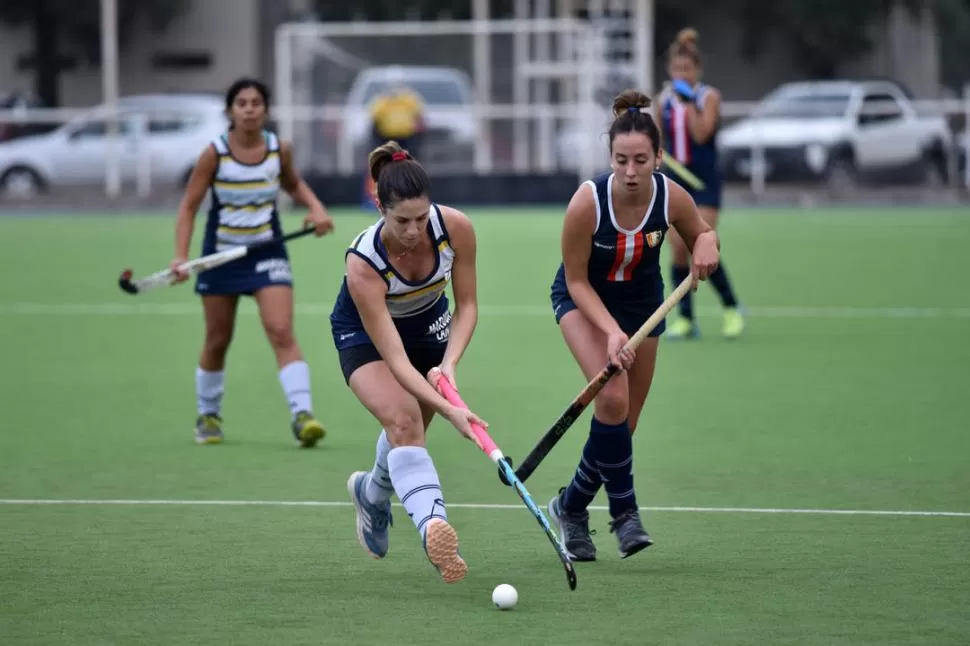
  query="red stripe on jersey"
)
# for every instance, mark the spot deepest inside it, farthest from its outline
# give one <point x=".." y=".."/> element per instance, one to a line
<point x="620" y="257"/>
<point x="637" y="256"/>
<point x="681" y="135"/>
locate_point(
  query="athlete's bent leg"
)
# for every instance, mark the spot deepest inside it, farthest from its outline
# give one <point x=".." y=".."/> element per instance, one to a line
<point x="640" y="378"/>
<point x="627" y="526"/>
<point x="276" y="313"/>
<point x="569" y="509"/>
<point x="411" y="472"/>
<point x="219" y="312"/>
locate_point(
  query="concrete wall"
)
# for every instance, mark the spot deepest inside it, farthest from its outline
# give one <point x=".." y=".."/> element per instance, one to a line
<point x="227" y="29"/>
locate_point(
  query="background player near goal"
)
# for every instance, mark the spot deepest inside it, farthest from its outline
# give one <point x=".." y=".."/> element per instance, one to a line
<point x="690" y="112"/>
<point x="244" y="170"/>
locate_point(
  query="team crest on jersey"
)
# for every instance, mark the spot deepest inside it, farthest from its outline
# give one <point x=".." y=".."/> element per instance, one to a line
<point x="654" y="238"/>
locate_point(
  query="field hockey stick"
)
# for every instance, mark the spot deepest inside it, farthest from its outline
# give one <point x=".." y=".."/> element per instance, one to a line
<point x="579" y="404"/>
<point x="166" y="277"/>
<point x="489" y="448"/>
<point x="693" y="180"/>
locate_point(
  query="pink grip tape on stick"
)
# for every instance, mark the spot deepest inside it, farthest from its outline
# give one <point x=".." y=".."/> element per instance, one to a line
<point x="487" y="445"/>
<point x="482" y="438"/>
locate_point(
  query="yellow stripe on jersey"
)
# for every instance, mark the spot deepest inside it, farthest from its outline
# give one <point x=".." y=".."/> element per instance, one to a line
<point x="438" y="284"/>
<point x="242" y="185"/>
<point x="273" y="154"/>
<point x="258" y="206"/>
<point x="442" y="245"/>
<point x="225" y="228"/>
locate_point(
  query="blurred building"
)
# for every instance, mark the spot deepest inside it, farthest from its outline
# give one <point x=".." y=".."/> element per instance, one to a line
<point x="218" y="40"/>
<point x="213" y="42"/>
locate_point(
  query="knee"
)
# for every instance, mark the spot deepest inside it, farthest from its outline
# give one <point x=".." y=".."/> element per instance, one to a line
<point x="612" y="403"/>
<point x="280" y="336"/>
<point x="404" y="426"/>
<point x="217" y="340"/>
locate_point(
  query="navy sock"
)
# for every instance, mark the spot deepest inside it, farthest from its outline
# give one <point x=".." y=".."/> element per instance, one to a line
<point x="585" y="483"/>
<point x="686" y="306"/>
<point x="614" y="457"/>
<point x="723" y="286"/>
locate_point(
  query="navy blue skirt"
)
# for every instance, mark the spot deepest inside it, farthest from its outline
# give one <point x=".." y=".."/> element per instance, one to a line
<point x="260" y="268"/>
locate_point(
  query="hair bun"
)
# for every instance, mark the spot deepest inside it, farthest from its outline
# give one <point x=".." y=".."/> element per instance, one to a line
<point x="630" y="100"/>
<point x="384" y="155"/>
<point x="688" y="36"/>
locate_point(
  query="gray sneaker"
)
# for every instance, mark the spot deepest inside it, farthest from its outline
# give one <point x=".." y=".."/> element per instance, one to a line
<point x="208" y="429"/>
<point x="573" y="529"/>
<point x="372" y="519"/>
<point x="630" y="533"/>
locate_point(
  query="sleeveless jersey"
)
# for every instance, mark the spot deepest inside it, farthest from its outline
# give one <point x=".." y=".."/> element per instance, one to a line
<point x="419" y="308"/>
<point x="624" y="264"/>
<point x="244" y="196"/>
<point x="696" y="156"/>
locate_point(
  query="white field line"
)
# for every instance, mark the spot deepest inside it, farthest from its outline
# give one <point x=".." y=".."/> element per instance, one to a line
<point x="335" y="503"/>
<point x="323" y="309"/>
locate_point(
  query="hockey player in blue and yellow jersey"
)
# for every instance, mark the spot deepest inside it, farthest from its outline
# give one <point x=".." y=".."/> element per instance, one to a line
<point x="391" y="325"/>
<point x="690" y="114"/>
<point x="608" y="285"/>
<point x="243" y="170"/>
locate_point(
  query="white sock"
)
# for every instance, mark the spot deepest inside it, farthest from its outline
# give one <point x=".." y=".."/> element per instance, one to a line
<point x="209" y="387"/>
<point x="416" y="484"/>
<point x="377" y="486"/>
<point x="295" y="379"/>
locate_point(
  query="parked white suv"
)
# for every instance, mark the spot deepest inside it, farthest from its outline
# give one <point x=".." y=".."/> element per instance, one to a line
<point x="452" y="128"/>
<point x="838" y="131"/>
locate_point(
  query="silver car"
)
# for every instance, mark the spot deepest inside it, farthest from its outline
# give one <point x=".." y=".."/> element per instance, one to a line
<point x="165" y="131"/>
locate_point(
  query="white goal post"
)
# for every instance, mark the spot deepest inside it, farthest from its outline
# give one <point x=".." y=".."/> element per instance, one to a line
<point x="522" y="95"/>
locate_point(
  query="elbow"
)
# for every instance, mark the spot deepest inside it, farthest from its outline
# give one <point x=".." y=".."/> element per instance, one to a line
<point x="573" y="282"/>
<point x="703" y="135"/>
<point x="188" y="206"/>
<point x="186" y="214"/>
<point x="466" y="307"/>
<point x="295" y="191"/>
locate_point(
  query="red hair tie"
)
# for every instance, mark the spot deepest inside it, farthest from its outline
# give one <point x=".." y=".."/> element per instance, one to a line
<point x="399" y="156"/>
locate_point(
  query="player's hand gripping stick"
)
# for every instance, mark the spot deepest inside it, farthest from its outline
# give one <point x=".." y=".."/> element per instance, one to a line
<point x="166" y="277"/>
<point x="583" y="399"/>
<point x="489" y="448"/>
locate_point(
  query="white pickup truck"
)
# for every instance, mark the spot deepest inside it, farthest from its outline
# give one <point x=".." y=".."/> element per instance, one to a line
<point x="840" y="132"/>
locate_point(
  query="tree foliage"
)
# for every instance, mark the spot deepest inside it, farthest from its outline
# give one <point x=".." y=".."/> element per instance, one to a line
<point x="953" y="28"/>
<point x="822" y="34"/>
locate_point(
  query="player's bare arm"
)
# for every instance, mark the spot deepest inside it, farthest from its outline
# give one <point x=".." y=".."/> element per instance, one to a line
<point x="464" y="287"/>
<point x="301" y="192"/>
<point x="701" y="240"/>
<point x="195" y="190"/>
<point x="579" y="226"/>
<point x="703" y="122"/>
